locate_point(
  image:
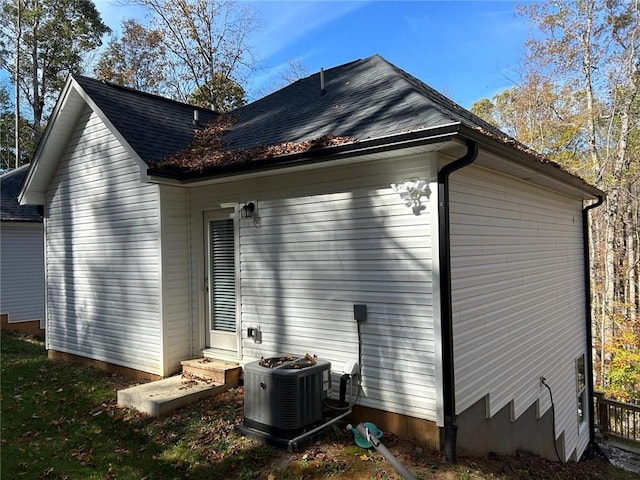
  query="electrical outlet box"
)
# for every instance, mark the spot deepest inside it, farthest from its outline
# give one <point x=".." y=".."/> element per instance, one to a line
<point x="360" y="312"/>
<point x="255" y="333"/>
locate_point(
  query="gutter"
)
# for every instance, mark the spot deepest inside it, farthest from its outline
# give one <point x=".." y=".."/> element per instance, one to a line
<point x="365" y="147"/>
<point x="588" y="317"/>
<point x="446" y="313"/>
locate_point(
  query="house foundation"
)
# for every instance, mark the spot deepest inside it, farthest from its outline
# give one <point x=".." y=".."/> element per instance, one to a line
<point x="479" y="435"/>
<point x="423" y="431"/>
<point x="30" y="327"/>
<point x="55" y="355"/>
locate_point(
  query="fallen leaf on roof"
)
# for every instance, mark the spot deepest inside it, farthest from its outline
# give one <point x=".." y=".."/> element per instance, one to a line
<point x="209" y="149"/>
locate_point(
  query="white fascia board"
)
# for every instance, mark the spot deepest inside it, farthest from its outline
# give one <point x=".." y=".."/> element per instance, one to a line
<point x="32" y="191"/>
<point x="63" y="119"/>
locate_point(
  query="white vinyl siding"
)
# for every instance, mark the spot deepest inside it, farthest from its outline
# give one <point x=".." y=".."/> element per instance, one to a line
<point x="313" y="258"/>
<point x="175" y="277"/>
<point x="329" y="239"/>
<point x="518" y="296"/>
<point x="22" y="271"/>
<point x="103" y="264"/>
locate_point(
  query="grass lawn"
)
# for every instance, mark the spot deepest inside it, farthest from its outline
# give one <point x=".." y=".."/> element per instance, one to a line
<point x="60" y="421"/>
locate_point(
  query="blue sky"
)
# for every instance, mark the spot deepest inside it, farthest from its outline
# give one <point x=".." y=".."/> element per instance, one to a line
<point x="465" y="49"/>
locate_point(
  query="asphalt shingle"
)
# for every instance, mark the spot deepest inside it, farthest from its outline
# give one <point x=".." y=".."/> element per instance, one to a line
<point x="154" y="126"/>
<point x="10" y="209"/>
<point x="364" y="99"/>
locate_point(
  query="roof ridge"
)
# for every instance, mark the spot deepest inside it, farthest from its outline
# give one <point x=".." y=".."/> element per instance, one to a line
<point x="139" y="92"/>
<point x="298" y="80"/>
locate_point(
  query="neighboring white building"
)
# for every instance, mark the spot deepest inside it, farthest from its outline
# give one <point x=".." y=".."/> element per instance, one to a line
<point x="465" y="247"/>
<point x="21" y="257"/>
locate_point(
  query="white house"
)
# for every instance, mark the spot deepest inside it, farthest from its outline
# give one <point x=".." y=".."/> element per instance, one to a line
<point x="21" y="258"/>
<point x="466" y="248"/>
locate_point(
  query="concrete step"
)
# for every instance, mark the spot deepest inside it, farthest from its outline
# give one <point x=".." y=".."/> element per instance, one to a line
<point x="209" y="369"/>
<point x="161" y="397"/>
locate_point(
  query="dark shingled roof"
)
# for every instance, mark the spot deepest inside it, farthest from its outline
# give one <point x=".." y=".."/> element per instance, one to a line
<point x="364" y="102"/>
<point x="10" y="209"/>
<point x="154" y="126"/>
<point x="365" y="99"/>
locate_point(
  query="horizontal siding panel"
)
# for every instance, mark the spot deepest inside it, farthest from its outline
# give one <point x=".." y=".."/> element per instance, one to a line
<point x="125" y="193"/>
<point x="354" y="236"/>
<point x="100" y="227"/>
<point x="72" y="176"/>
<point x="354" y="296"/>
<point x="92" y="271"/>
<point x="383" y="220"/>
<point x="322" y="328"/>
<point x="115" y="213"/>
<point x="415" y="259"/>
<point x="109" y="350"/>
<point x="58" y="245"/>
<point x="116" y="192"/>
<point x="105" y="338"/>
<point x="328" y="239"/>
<point x="129" y="333"/>
<point x="518" y="295"/>
<point x="362" y="244"/>
<point x="386" y="287"/>
<point x="382" y="379"/>
<point x="100" y="298"/>
<point x="375" y="316"/>
<point x="22" y="271"/>
<point x="369" y="271"/>
<point x="148" y="299"/>
<point x="100" y="203"/>
<point x="103" y="253"/>
<point x="175" y="278"/>
<point x="314" y="257"/>
<point x="474" y="200"/>
<point x="371" y="198"/>
<point x="392" y="385"/>
<point x="102" y="310"/>
<point x="121" y="280"/>
<point x="112" y="249"/>
<point x="376" y="312"/>
<point x="396" y="353"/>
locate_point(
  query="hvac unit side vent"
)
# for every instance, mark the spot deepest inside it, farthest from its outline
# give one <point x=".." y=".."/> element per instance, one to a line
<point x="284" y="401"/>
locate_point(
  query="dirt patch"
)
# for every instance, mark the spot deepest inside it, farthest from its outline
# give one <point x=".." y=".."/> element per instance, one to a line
<point x="337" y="456"/>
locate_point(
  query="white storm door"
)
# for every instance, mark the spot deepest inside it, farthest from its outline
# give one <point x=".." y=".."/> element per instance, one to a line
<point x="221" y="281"/>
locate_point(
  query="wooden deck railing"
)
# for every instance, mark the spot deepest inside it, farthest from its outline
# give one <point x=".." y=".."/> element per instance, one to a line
<point x="618" y="419"/>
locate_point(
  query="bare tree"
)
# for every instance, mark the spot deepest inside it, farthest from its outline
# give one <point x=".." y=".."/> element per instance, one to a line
<point x="593" y="47"/>
<point x="206" y="44"/>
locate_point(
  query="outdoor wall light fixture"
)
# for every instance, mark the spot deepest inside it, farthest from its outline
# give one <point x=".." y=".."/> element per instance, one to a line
<point x="248" y="210"/>
<point x="411" y="193"/>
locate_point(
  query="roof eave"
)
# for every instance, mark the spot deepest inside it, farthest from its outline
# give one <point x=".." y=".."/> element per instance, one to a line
<point x="530" y="162"/>
<point x="27" y="194"/>
<point x="365" y="147"/>
<point x="406" y="140"/>
<point x="63" y="119"/>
